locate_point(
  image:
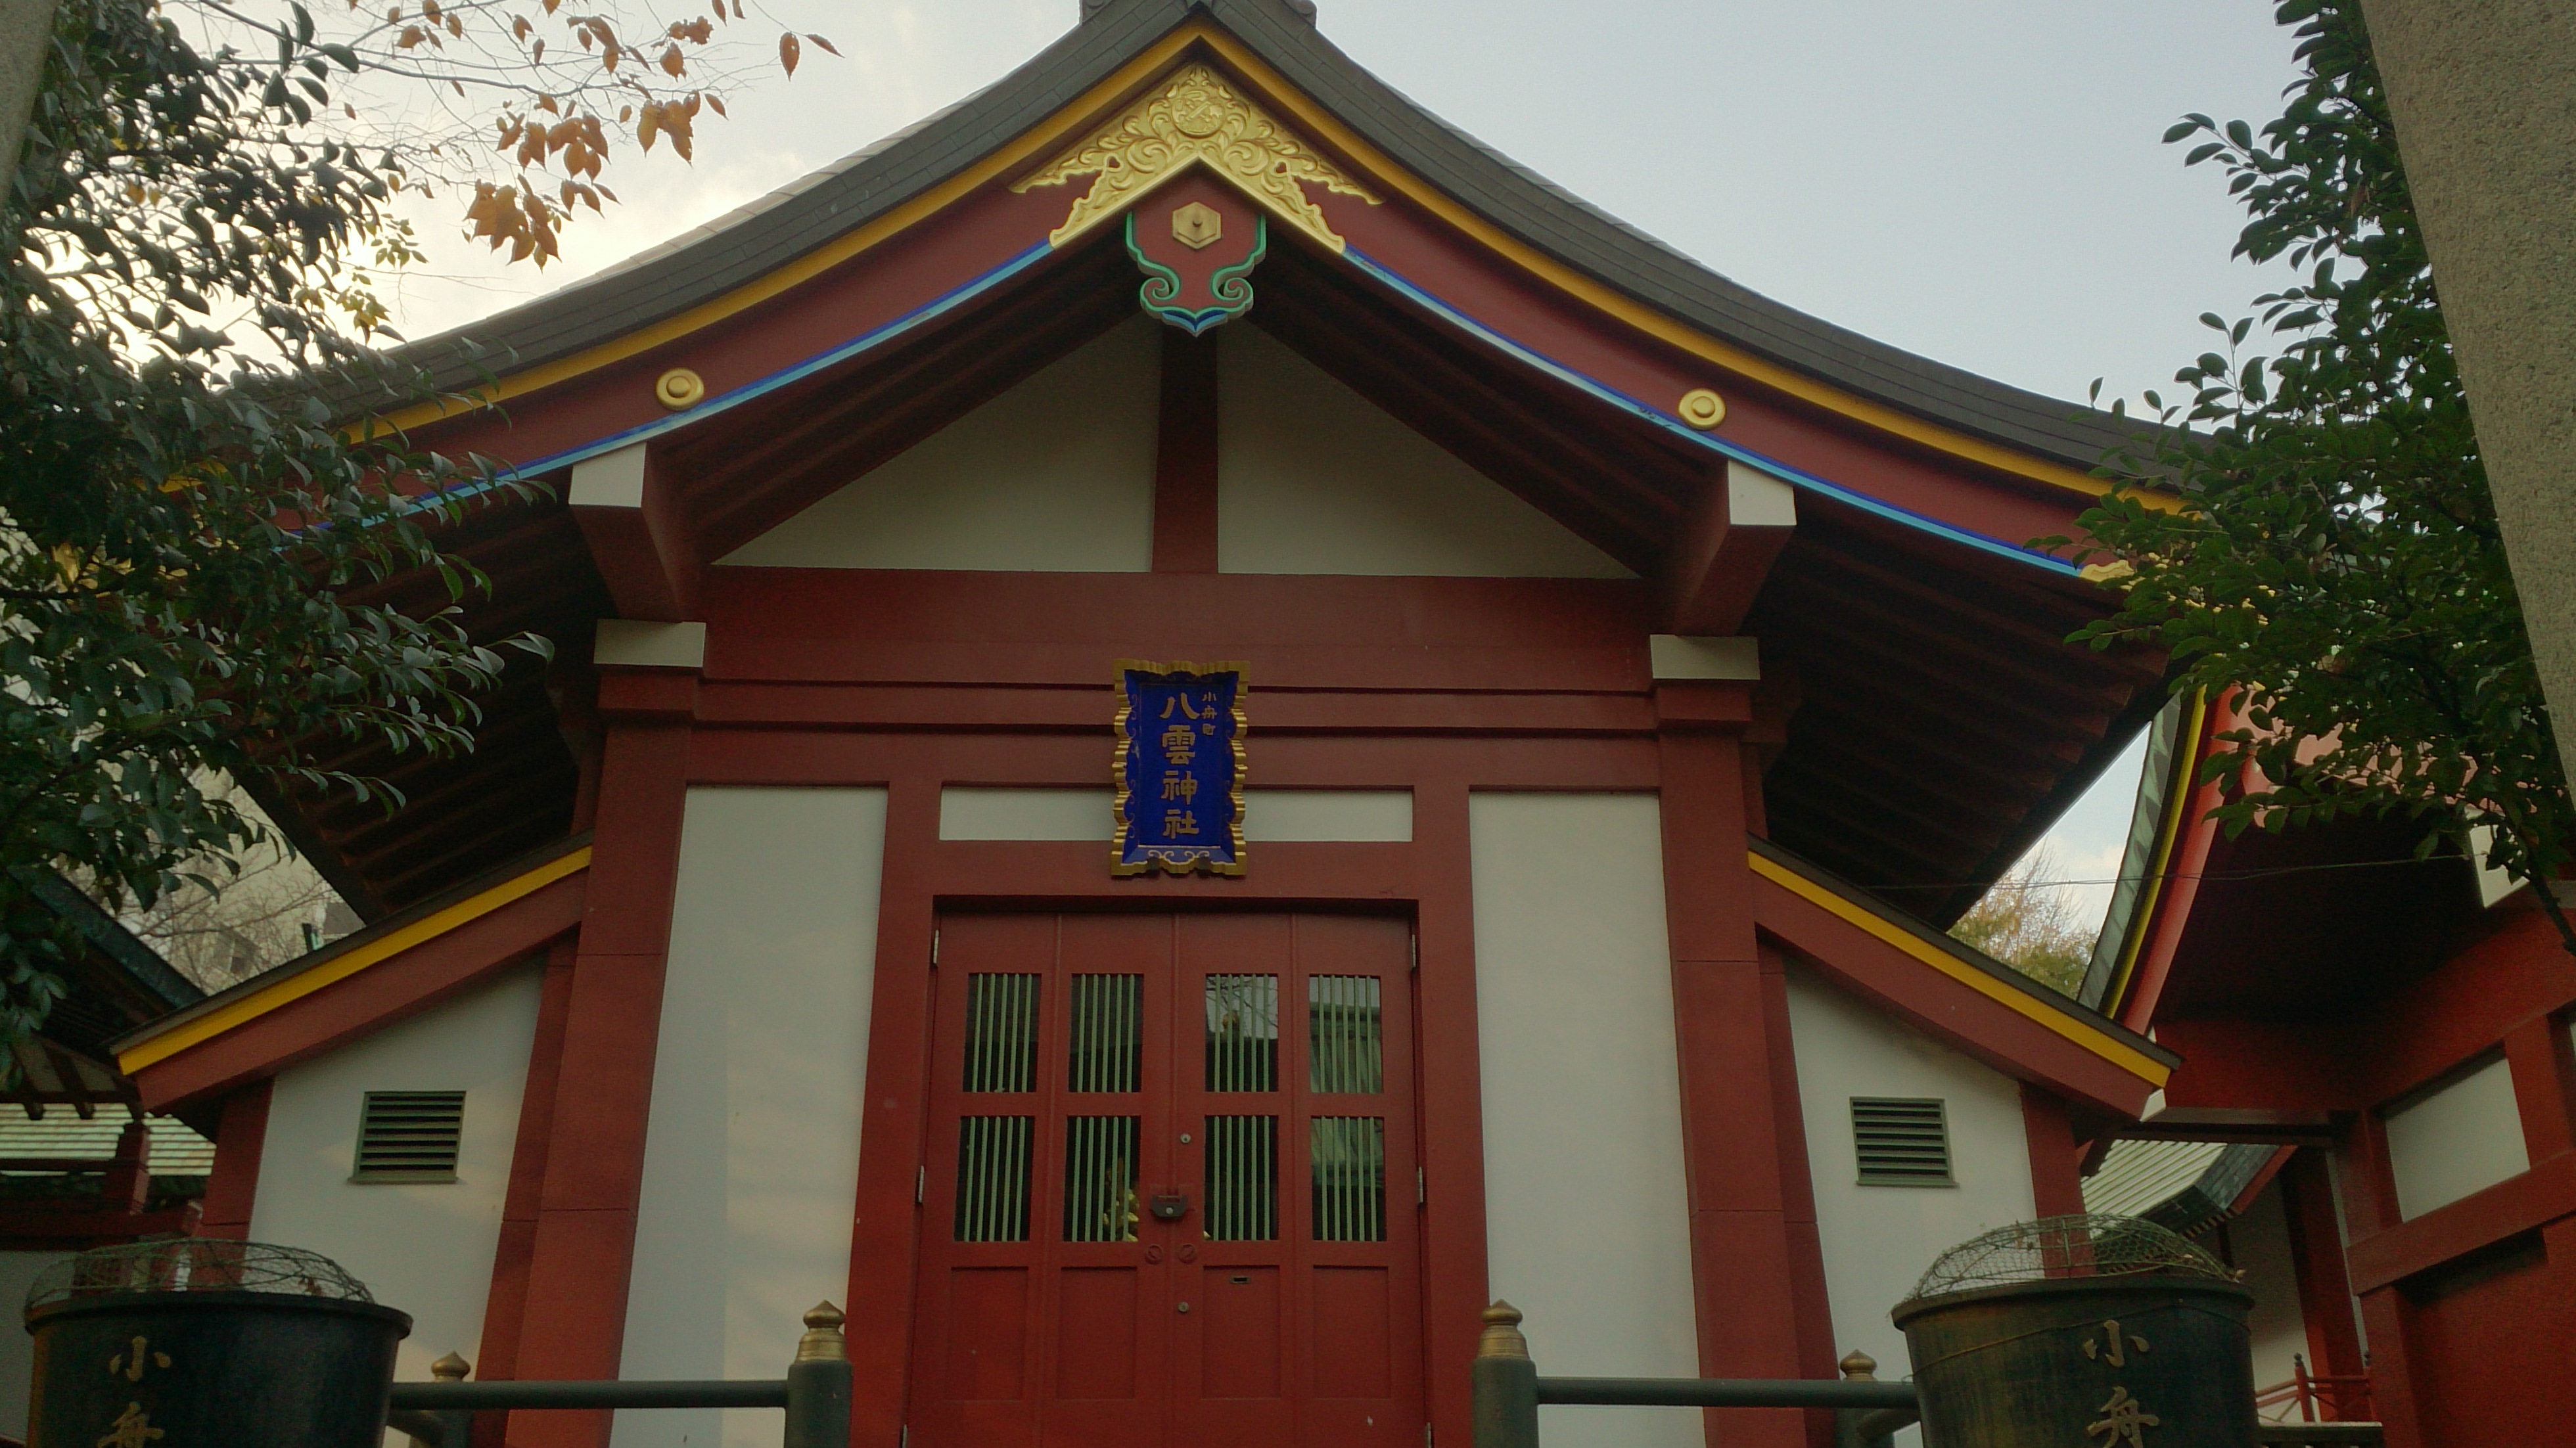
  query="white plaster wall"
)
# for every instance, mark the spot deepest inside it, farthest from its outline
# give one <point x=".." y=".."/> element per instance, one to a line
<point x="423" y="1247"/>
<point x="751" y="1158"/>
<point x="17" y="1350"/>
<point x="1314" y="478"/>
<point x="2258" y="1240"/>
<point x="1587" y="1215"/>
<point x="2463" y="1138"/>
<point x="1055" y="475"/>
<point x="1877" y="1240"/>
<point x="1278" y="816"/>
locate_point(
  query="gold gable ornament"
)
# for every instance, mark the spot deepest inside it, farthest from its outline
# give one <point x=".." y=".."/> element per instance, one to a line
<point x="1196" y="117"/>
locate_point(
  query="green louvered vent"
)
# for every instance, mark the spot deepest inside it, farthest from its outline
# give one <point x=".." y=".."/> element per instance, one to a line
<point x="409" y="1136"/>
<point x="1902" y="1142"/>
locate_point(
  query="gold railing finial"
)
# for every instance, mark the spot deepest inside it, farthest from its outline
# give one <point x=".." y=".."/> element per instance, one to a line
<point x="1502" y="1336"/>
<point x="1859" y="1367"/>
<point x="451" y="1369"/>
<point x="822" y="1342"/>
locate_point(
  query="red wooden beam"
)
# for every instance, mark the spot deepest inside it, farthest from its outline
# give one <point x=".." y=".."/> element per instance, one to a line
<point x="630" y="514"/>
<point x="1737" y="526"/>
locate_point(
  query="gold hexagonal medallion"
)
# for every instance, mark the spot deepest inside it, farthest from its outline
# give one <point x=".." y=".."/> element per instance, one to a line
<point x="1198" y="226"/>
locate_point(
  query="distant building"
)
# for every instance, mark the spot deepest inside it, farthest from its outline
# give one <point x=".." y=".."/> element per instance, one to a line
<point x="1634" y="673"/>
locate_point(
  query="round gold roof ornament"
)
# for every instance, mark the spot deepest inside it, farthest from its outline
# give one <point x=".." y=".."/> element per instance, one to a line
<point x="681" y="389"/>
<point x="1702" y="408"/>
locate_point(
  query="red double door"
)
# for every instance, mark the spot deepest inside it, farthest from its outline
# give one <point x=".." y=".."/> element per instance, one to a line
<point x="1170" y="1195"/>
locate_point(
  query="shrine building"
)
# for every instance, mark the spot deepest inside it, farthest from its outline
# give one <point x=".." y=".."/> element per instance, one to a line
<point x="1196" y="727"/>
<point x="2377" y="1094"/>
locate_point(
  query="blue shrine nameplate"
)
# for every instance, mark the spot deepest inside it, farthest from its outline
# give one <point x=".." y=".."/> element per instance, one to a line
<point x="1179" y="769"/>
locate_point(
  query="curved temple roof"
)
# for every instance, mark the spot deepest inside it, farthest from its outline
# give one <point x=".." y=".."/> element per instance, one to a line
<point x="1940" y="717"/>
<point x="792" y="222"/>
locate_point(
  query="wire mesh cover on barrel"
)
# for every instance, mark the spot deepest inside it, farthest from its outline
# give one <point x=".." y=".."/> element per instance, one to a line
<point x="243" y="1344"/>
<point x="2100" y="1330"/>
<point x="196" y="1265"/>
<point x="2052" y="1248"/>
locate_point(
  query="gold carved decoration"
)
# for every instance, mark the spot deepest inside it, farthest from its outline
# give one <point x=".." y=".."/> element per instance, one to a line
<point x="1196" y="118"/>
<point x="1198" y="226"/>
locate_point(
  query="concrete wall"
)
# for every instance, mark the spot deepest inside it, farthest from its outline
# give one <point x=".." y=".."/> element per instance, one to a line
<point x="1587" y="1218"/>
<point x="2457" y="1139"/>
<point x="1314" y="478"/>
<point x="2258" y="1242"/>
<point x="1878" y="1240"/>
<point x="751" y="1158"/>
<point x="425" y="1247"/>
<point x="1055" y="475"/>
<point x="17" y="1350"/>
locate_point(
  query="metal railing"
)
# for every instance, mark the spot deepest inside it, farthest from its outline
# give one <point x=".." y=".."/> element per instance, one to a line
<point x="815" y="1394"/>
<point x="2320" y="1397"/>
<point x="1507" y="1392"/>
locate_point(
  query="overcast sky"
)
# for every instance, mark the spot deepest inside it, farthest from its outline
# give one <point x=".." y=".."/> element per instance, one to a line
<point x="1979" y="181"/>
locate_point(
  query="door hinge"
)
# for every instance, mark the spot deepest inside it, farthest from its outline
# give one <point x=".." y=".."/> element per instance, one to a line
<point x="1413" y="946"/>
<point x="1421" y="1193"/>
<point x="934" y="949"/>
<point x="904" y="1439"/>
<point x="920" y="1185"/>
<point x="1426" y="1435"/>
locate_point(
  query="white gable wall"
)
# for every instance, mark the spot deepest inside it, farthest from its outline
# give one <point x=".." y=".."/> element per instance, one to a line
<point x="751" y="1155"/>
<point x="1314" y="478"/>
<point x="1877" y="1239"/>
<point x="1054" y="476"/>
<point x="1057" y="475"/>
<point x="1587" y="1209"/>
<point x="427" y="1247"/>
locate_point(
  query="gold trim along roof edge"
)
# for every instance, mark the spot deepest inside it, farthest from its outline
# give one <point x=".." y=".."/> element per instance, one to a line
<point x="2065" y="1023"/>
<point x="2182" y="783"/>
<point x="153" y="1046"/>
<point x="1023" y="150"/>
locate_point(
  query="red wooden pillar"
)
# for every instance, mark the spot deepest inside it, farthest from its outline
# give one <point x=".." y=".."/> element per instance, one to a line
<point x="885" y="1230"/>
<point x="1452" y="1104"/>
<point x="2056" y="1157"/>
<point x="1731" y="1048"/>
<point x="231" y="1187"/>
<point x="2370" y="1206"/>
<point x="581" y="1253"/>
<point x="506" y="1305"/>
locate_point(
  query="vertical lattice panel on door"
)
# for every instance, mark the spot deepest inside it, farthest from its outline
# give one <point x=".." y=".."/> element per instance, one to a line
<point x="993" y="1151"/>
<point x="1243" y="1033"/>
<point x="1349" y="1166"/>
<point x="1243" y="1178"/>
<point x="1242" y="1151"/>
<point x="1108" y="1033"/>
<point x="1100" y="1179"/>
<point x="993" y="1178"/>
<point x="1345" y="1052"/>
<point x="1001" y="1033"/>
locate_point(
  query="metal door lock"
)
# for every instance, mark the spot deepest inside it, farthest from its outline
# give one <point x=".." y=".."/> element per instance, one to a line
<point x="1170" y="1206"/>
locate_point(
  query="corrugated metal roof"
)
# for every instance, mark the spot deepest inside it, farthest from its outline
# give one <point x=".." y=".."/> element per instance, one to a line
<point x="2139" y="1176"/>
<point x="176" y="1150"/>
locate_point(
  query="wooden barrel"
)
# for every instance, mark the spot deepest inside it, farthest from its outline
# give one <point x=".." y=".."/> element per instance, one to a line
<point x="2139" y="1361"/>
<point x="191" y="1369"/>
